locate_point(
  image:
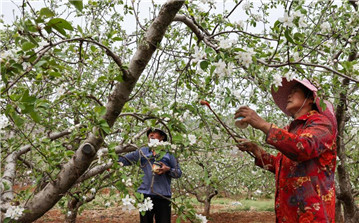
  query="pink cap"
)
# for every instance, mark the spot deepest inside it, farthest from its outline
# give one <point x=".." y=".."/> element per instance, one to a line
<point x="281" y="96"/>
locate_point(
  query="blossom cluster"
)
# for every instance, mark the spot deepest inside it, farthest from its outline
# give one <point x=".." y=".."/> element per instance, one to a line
<point x="156" y="142"/>
<point x="245" y="57"/>
<point x="198" y="54"/>
<point x="192" y="139"/>
<point x="287" y="19"/>
<point x="202" y="218"/>
<point x="222" y="69"/>
<point x="127" y="182"/>
<point x="277" y="80"/>
<point x="225" y="43"/>
<point x="128" y="204"/>
<point x="147" y="205"/>
<point x="14" y="212"/>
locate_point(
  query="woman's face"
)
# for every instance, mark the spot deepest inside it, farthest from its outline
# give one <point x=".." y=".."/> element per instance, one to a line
<point x="295" y="101"/>
<point x="155" y="135"/>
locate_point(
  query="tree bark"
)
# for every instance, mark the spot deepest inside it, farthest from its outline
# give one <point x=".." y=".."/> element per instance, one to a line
<point x="344" y="195"/>
<point x="71" y="171"/>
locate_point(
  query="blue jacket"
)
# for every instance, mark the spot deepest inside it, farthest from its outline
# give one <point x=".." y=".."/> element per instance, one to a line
<point x="162" y="183"/>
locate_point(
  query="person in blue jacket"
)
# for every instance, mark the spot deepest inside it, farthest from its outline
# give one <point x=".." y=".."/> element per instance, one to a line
<point x="156" y="182"/>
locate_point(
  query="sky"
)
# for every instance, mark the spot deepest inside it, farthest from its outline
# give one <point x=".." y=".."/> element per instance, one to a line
<point x="9" y="10"/>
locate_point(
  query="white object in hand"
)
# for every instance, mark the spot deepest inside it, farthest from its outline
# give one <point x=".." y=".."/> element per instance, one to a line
<point x="239" y="124"/>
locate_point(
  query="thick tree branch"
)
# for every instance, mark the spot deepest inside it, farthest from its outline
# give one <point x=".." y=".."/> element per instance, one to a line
<point x="71" y="171"/>
<point x="7" y="180"/>
<point x="309" y="65"/>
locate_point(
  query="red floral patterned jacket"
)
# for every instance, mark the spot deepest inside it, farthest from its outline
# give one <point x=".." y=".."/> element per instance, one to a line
<point x="304" y="169"/>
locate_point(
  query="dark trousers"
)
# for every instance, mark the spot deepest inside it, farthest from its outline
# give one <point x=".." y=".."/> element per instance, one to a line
<point x="161" y="210"/>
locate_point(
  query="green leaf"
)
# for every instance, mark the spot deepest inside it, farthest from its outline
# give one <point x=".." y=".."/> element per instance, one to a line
<point x="80" y="29"/>
<point x="35" y="116"/>
<point x="27" y="46"/>
<point x="204" y="65"/>
<point x="100" y="110"/>
<point x="104" y="126"/>
<point x="46" y="12"/>
<point x="17" y="119"/>
<point x="288" y="37"/>
<point x="27" y="98"/>
<point x="69" y="153"/>
<point x="60" y="25"/>
<point x="78" y="4"/>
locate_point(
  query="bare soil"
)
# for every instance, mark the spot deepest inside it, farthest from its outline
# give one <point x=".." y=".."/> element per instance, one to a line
<point x="112" y="215"/>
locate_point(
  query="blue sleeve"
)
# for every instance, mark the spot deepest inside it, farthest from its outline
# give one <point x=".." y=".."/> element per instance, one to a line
<point x="129" y="158"/>
<point x="175" y="171"/>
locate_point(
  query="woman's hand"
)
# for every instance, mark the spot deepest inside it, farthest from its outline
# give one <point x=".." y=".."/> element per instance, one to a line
<point x="163" y="169"/>
<point x="252" y="118"/>
<point x="251" y="147"/>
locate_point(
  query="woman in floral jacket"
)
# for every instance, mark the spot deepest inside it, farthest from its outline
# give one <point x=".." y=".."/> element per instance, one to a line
<point x="305" y="165"/>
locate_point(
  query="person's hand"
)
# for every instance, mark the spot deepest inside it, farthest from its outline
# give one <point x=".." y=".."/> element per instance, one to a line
<point x="251" y="147"/>
<point x="252" y="118"/>
<point x="163" y="169"/>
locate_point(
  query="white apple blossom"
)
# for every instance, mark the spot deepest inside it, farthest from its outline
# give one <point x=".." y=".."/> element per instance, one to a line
<point x="147" y="205"/>
<point x="202" y="218"/>
<point x="84" y="198"/>
<point x="229" y="69"/>
<point x="287" y="20"/>
<point x="325" y="27"/>
<point x="289" y="76"/>
<point x="14" y="212"/>
<point x="192" y="139"/>
<point x="69" y="213"/>
<point x="107" y="204"/>
<point x="173" y="146"/>
<point x="277" y="80"/>
<point x="246" y="6"/>
<point x="257" y="17"/>
<point x="198" y="54"/>
<point x="239" y="24"/>
<point x="225" y="43"/>
<point x="93" y="190"/>
<point x="297" y="14"/>
<point x="127" y="203"/>
<point x="245" y="57"/>
<point x="237" y="93"/>
<point x="296" y="56"/>
<point x="127" y="182"/>
<point x="220" y="67"/>
<point x="153" y="142"/>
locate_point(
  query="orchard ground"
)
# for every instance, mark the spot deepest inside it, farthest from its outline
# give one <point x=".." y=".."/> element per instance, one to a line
<point x="223" y="210"/>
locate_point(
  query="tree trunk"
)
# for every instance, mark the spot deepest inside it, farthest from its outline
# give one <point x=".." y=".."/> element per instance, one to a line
<point x="207" y="207"/>
<point x="344" y="195"/>
<point x="43" y="201"/>
<point x="73" y="207"/>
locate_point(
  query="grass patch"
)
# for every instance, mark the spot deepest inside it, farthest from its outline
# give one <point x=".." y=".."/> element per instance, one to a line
<point x="228" y="204"/>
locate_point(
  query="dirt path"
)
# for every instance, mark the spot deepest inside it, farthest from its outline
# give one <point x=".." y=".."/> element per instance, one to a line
<point x="116" y="215"/>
